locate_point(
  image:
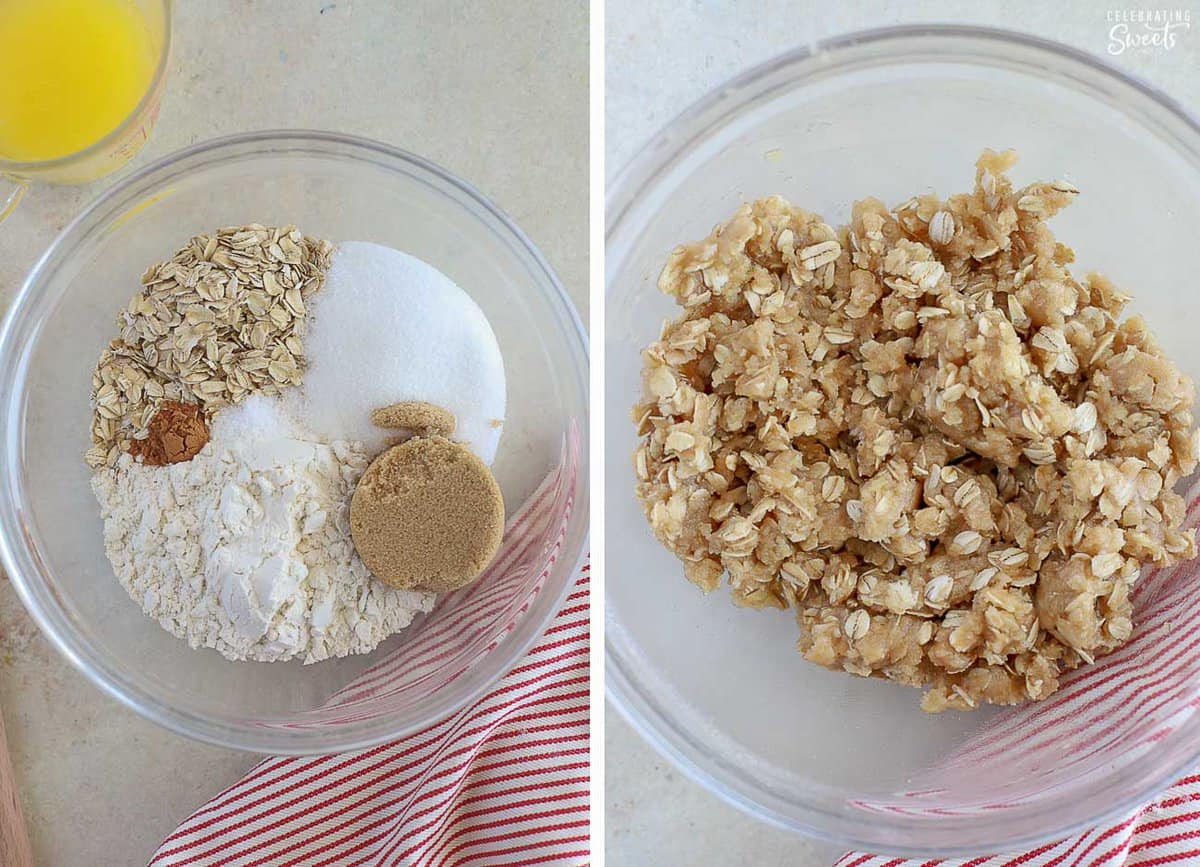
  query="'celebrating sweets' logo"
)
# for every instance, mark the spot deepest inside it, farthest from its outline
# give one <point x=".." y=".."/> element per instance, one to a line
<point x="1146" y="29"/>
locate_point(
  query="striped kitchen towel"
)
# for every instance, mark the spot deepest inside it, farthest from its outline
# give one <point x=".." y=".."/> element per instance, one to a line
<point x="1116" y="711"/>
<point x="503" y="781"/>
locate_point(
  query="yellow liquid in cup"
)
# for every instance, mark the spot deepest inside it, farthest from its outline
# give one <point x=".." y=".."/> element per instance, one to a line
<point x="70" y="72"/>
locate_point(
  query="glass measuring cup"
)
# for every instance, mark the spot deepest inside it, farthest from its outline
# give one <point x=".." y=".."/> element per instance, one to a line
<point x="117" y="145"/>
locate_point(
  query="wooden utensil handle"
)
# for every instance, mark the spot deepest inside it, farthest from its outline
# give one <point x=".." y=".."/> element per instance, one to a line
<point x="14" y="840"/>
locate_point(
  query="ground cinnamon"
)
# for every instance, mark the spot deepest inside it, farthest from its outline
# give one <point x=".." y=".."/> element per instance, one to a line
<point x="176" y="433"/>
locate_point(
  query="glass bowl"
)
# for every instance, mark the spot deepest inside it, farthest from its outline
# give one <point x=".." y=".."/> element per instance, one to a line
<point x="335" y="187"/>
<point x="721" y="691"/>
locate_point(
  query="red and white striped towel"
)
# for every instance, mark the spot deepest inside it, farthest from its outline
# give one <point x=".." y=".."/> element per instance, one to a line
<point x="504" y="781"/>
<point x="1113" y="712"/>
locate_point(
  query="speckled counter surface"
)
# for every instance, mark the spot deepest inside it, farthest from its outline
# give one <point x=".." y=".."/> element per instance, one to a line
<point x="494" y="90"/>
<point x="661" y="56"/>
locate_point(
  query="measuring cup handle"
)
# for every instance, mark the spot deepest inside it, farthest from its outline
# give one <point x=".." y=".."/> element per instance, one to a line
<point x="11" y="190"/>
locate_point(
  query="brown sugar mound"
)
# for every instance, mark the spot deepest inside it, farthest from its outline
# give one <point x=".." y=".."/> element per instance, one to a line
<point x="177" y="432"/>
<point x="427" y="515"/>
<point x="417" y="417"/>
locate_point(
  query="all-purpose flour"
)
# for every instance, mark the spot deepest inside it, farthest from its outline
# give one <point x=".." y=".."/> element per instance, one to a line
<point x="246" y="547"/>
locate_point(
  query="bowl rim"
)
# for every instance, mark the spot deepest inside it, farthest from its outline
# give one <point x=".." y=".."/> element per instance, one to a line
<point x="656" y="158"/>
<point x="24" y="569"/>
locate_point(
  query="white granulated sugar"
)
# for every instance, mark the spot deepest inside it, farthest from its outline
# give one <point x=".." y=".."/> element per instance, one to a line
<point x="385" y="328"/>
<point x="246" y="548"/>
<point x="257" y="417"/>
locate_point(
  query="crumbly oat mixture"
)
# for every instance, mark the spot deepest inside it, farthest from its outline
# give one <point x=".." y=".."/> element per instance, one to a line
<point x="224" y="317"/>
<point x="948" y="454"/>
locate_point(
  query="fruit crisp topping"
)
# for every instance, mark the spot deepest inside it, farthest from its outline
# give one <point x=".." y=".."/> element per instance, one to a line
<point x="948" y="454"/>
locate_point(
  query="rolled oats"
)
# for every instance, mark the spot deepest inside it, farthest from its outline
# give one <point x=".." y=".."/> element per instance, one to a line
<point x="186" y="335"/>
<point x="947" y="453"/>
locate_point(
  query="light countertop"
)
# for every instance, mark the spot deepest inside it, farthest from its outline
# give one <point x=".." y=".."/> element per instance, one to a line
<point x="494" y="90"/>
<point x="661" y="55"/>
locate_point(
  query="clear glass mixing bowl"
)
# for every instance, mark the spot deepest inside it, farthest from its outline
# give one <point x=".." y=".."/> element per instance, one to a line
<point x="722" y="691"/>
<point x="336" y="187"/>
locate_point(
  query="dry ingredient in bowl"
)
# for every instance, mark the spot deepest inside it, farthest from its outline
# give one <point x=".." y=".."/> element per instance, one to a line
<point x="223" y="317"/>
<point x="921" y="431"/>
<point x="245" y="548"/>
<point x="226" y="515"/>
<point x="389" y="328"/>
<point x="427" y="515"/>
<point x="176" y="433"/>
<point x="416" y="417"/>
